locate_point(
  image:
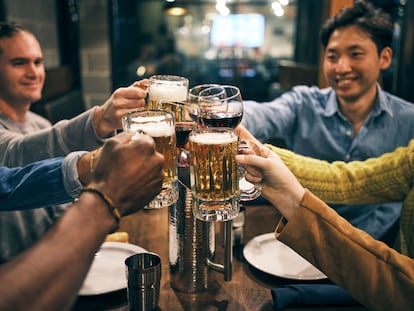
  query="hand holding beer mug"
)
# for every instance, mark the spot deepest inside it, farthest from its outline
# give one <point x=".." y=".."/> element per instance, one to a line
<point x="160" y="126"/>
<point x="222" y="105"/>
<point x="166" y="88"/>
<point x="214" y="173"/>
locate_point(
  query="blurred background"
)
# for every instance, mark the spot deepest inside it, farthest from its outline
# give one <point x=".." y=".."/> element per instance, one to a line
<point x="92" y="47"/>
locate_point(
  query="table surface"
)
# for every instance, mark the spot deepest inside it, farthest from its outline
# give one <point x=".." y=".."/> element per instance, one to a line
<point x="249" y="288"/>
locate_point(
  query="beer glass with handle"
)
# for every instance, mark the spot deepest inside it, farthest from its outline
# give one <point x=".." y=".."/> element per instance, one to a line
<point x="222" y="105"/>
<point x="166" y="88"/>
<point x="160" y="125"/>
<point x="214" y="173"/>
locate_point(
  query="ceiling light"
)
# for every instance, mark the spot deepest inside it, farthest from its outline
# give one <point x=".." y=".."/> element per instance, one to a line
<point x="174" y="9"/>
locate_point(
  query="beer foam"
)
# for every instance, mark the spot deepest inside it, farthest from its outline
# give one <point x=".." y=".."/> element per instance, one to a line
<point x="152" y="129"/>
<point x="214" y="138"/>
<point x="168" y="91"/>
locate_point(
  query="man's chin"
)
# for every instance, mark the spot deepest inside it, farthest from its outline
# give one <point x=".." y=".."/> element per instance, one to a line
<point x="33" y="98"/>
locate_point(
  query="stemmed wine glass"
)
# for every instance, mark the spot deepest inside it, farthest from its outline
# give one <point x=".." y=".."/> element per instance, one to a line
<point x="222" y="106"/>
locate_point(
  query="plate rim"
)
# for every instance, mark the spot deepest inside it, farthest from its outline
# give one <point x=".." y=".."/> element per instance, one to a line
<point x="120" y="245"/>
<point x="271" y="236"/>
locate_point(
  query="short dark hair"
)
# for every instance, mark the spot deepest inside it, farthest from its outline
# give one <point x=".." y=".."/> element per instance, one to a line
<point x="9" y="29"/>
<point x="373" y="21"/>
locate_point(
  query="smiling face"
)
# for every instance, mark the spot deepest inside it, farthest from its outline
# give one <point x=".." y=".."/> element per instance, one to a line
<point x="22" y="72"/>
<point x="352" y="65"/>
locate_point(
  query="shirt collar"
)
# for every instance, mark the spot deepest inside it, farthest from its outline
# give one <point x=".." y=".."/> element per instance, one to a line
<point x="381" y="104"/>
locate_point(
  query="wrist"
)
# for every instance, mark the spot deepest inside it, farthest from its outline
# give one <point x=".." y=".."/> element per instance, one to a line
<point x="111" y="209"/>
<point x="287" y="201"/>
<point x="94" y="212"/>
<point x="83" y="169"/>
<point x="101" y="129"/>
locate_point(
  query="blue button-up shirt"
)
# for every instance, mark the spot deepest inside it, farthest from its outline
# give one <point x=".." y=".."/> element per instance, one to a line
<point x="53" y="181"/>
<point x="308" y="119"/>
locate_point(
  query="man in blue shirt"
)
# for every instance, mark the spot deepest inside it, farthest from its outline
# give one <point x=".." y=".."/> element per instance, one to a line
<point x="353" y="119"/>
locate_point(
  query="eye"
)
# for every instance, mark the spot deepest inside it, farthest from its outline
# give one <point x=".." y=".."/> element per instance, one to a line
<point x="331" y="57"/>
<point x="39" y="62"/>
<point x="357" y="54"/>
<point x="18" y="62"/>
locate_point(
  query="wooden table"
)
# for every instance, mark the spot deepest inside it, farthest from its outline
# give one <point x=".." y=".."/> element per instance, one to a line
<point x="249" y="288"/>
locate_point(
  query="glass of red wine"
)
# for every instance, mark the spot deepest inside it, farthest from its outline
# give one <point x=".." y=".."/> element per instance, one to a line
<point x="222" y="106"/>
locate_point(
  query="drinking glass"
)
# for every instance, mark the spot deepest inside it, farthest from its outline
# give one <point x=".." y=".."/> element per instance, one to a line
<point x="214" y="173"/>
<point x="166" y="87"/>
<point x="195" y="91"/>
<point x="222" y="106"/>
<point x="143" y="273"/>
<point x="186" y="115"/>
<point x="193" y="94"/>
<point x="160" y="126"/>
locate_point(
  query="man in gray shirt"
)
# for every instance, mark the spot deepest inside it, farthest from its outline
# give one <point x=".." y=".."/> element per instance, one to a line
<point x="26" y="137"/>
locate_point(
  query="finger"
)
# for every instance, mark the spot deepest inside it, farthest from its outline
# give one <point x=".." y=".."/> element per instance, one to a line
<point x="142" y="84"/>
<point x="253" y="179"/>
<point x="123" y="137"/>
<point x="254" y="172"/>
<point x="251" y="160"/>
<point x="141" y="140"/>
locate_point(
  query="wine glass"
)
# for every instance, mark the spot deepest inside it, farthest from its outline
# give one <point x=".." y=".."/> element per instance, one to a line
<point x="194" y="93"/>
<point x="222" y="106"/>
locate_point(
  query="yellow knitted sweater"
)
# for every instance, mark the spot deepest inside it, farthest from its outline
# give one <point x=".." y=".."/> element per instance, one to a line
<point x="388" y="178"/>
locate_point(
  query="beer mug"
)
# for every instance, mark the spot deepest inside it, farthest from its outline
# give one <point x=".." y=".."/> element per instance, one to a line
<point x="166" y="87"/>
<point x="160" y="125"/>
<point x="214" y="173"/>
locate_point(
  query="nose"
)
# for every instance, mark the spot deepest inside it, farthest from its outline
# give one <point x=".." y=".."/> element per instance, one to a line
<point x="343" y="65"/>
<point x="32" y="70"/>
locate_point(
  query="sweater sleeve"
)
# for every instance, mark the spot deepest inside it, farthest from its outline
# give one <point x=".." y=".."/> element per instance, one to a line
<point x="376" y="275"/>
<point x="58" y="140"/>
<point x="385" y="179"/>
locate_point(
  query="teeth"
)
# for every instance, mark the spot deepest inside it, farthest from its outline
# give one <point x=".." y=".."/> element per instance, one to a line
<point x="344" y="82"/>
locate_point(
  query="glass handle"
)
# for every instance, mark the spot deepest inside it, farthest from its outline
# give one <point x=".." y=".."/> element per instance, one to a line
<point x="248" y="191"/>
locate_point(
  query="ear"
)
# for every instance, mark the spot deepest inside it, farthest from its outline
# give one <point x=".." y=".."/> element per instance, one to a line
<point x="385" y="58"/>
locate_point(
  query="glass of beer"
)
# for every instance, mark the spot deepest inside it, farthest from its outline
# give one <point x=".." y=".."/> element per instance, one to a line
<point x="166" y="87"/>
<point x="222" y="106"/>
<point x="160" y="125"/>
<point x="185" y="114"/>
<point x="214" y="173"/>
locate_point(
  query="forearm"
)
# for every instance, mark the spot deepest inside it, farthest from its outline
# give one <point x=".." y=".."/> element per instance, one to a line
<point x="385" y="179"/>
<point x="81" y="127"/>
<point x="346" y="254"/>
<point x="64" y="137"/>
<point x="24" y="188"/>
<point x="52" y="282"/>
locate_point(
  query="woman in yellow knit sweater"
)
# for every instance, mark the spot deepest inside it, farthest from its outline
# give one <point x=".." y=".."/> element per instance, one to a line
<point x="375" y="274"/>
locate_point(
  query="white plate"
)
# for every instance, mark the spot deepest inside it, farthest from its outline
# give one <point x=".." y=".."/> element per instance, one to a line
<point x="269" y="255"/>
<point x="107" y="272"/>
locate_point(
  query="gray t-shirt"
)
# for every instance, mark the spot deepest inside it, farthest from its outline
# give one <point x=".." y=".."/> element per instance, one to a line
<point x="33" y="140"/>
